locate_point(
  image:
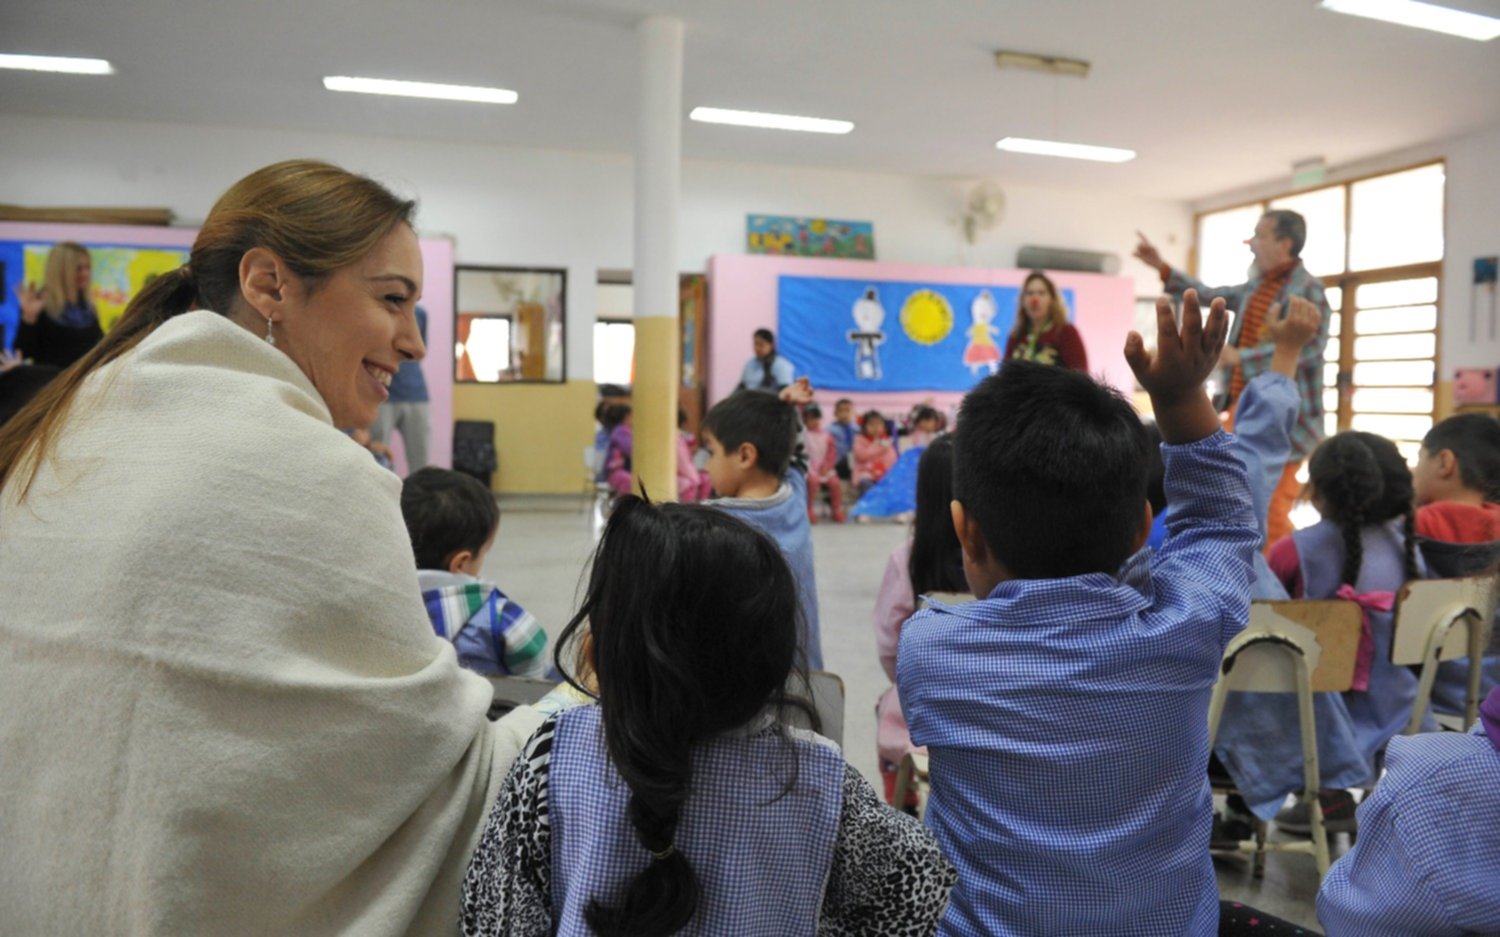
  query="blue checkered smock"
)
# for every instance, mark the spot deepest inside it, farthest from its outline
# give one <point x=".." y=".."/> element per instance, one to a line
<point x="1066" y="722"/>
<point x="1429" y="843"/>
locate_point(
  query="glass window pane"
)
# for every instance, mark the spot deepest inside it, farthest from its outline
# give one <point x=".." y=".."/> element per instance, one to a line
<point x="1393" y="427"/>
<point x="1397" y="219"/>
<point x="1397" y="293"/>
<point x="1379" y="347"/>
<point x="1330" y="425"/>
<point x="1330" y="374"/>
<point x="1335" y="296"/>
<point x="1330" y="399"/>
<point x="1397" y="319"/>
<point x="1223" y="257"/>
<point x="1393" y="373"/>
<point x="1409" y="449"/>
<point x="1335" y="321"/>
<point x="1323" y="209"/>
<point x="1393" y="400"/>
<point x="614" y="352"/>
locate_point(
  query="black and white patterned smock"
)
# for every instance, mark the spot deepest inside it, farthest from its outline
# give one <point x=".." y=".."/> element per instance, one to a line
<point x="887" y="877"/>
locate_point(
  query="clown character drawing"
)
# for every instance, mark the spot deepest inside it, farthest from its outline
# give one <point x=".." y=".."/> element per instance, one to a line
<point x="983" y="353"/>
<point x="869" y="315"/>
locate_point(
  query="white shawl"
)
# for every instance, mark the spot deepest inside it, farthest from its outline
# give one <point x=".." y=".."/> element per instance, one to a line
<point x="222" y="708"/>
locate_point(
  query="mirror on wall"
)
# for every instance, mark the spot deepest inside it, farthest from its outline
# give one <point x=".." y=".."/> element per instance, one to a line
<point x="508" y="324"/>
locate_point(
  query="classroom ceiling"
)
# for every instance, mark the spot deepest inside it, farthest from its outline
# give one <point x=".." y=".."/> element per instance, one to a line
<point x="1213" y="94"/>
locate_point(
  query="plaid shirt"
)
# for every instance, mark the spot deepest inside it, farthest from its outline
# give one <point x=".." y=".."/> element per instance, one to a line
<point x="491" y="634"/>
<point x="1428" y="840"/>
<point x="1256" y="359"/>
<point x="1066" y="723"/>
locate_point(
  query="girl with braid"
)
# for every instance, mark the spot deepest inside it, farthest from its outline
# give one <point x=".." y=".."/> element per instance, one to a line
<point x="1364" y="549"/>
<point x="683" y="803"/>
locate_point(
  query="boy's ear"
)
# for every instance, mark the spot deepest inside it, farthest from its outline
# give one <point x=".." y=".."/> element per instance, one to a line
<point x="976" y="551"/>
<point x="747" y="455"/>
<point x="1141" y="536"/>
<point x="459" y="560"/>
<point x="1447" y="463"/>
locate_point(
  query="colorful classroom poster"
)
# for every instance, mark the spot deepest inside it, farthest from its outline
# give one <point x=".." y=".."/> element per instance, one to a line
<point x="872" y="335"/>
<point x="119" y="272"/>
<point x="809" y="237"/>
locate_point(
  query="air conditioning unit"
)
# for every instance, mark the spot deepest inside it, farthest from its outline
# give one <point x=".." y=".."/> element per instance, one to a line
<point x="1032" y="257"/>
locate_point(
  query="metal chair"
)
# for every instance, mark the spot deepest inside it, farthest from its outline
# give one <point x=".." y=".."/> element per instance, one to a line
<point x="511" y="692"/>
<point x="828" y="702"/>
<point x="1438" y="620"/>
<point x="1297" y="647"/>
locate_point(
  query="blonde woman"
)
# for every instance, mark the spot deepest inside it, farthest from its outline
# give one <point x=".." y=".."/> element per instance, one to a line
<point x="1042" y="332"/>
<point x="58" y="322"/>
<point x="222" y="707"/>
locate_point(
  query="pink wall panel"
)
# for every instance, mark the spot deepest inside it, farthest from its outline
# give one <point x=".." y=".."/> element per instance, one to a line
<point x="742" y="298"/>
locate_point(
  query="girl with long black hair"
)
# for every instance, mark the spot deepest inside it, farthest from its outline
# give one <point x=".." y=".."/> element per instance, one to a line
<point x="683" y="803"/>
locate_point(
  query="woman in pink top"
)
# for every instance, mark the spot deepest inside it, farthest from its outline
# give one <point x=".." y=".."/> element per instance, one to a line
<point x="931" y="561"/>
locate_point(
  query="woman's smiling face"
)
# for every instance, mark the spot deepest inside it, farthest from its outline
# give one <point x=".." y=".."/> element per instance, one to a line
<point x="351" y="331"/>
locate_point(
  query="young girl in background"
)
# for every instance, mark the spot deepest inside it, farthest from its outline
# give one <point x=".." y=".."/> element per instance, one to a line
<point x="692" y="482"/>
<point x="620" y="450"/>
<point x="682" y="803"/>
<point x="822" y="462"/>
<point x="1363" y="549"/>
<point x="931" y="561"/>
<point x="926" y="423"/>
<point x="874" y="454"/>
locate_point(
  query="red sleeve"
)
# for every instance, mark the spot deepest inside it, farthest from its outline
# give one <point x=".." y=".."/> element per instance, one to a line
<point x="1287" y="565"/>
<point x="1070" y="349"/>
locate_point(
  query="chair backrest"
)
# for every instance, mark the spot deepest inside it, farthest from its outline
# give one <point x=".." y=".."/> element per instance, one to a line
<point x="1426" y="604"/>
<point x="1325" y="632"/>
<point x="828" y="703"/>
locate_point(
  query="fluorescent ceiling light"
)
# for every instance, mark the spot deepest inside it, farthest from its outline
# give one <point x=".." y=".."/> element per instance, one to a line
<point x="1103" y="154"/>
<point x="1421" y="15"/>
<point x="420" y="89"/>
<point x="56" y="63"/>
<point x="718" y="115"/>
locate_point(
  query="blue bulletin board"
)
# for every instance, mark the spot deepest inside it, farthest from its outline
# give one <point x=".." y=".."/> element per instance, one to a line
<point x="877" y="335"/>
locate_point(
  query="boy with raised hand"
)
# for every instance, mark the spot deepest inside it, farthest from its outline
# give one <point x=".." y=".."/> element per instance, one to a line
<point x="1065" y="711"/>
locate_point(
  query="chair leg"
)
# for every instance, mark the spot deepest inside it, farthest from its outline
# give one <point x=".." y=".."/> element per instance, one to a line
<point x="1259" y="865"/>
<point x="1319" y="833"/>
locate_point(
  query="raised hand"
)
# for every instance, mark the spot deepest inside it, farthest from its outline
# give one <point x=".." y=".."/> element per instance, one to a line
<point x="30" y="299"/>
<point x="1290" y="333"/>
<point x="1185" y="357"/>
<point x="798" y="392"/>
<point x="10" y="359"/>
<point x="1147" y="253"/>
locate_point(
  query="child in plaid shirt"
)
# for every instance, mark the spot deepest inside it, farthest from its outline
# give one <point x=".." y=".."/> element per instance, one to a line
<point x="453" y="520"/>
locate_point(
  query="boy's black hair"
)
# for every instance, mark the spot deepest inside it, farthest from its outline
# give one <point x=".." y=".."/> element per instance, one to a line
<point x="1474" y="440"/>
<point x="925" y="413"/>
<point x="1052" y="467"/>
<point x="841" y="401"/>
<point x="763" y="420"/>
<point x="614" y="415"/>
<point x="812" y="410"/>
<point x="936" y="563"/>
<point x="694" y="621"/>
<point x="446" y="511"/>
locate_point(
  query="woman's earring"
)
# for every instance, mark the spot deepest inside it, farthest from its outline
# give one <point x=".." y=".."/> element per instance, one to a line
<point x="270" y="336"/>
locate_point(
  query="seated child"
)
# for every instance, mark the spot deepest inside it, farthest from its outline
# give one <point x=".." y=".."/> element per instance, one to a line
<point x="682" y="802"/>
<point x="873" y="453"/>
<point x="620" y="451"/>
<point x="1429" y="841"/>
<point x="822" y="456"/>
<point x="453" y="520"/>
<point x="929" y="561"/>
<point x="926" y="423"/>
<point x="843" y="430"/>
<point x="1363" y="549"/>
<point x="1458" y="524"/>
<point x="692" y="483"/>
<point x="1065" y="711"/>
<point x="750" y="437"/>
<point x="1254" y="747"/>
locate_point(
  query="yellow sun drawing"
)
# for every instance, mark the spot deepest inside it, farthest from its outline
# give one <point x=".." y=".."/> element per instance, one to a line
<point x="926" y="317"/>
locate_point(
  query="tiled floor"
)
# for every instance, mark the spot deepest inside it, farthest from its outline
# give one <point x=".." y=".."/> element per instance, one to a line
<point x="540" y="556"/>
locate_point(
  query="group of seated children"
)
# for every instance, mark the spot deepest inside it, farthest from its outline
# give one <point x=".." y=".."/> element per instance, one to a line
<point x="1064" y="710"/>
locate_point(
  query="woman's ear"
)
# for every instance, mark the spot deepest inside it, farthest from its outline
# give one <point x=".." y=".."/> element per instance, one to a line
<point x="263" y="282"/>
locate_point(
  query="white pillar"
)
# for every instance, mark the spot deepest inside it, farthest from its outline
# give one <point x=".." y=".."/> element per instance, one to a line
<point x="658" y="170"/>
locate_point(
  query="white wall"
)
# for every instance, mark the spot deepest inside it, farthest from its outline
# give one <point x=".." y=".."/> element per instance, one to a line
<point x="1471" y="229"/>
<point x="515" y="206"/>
